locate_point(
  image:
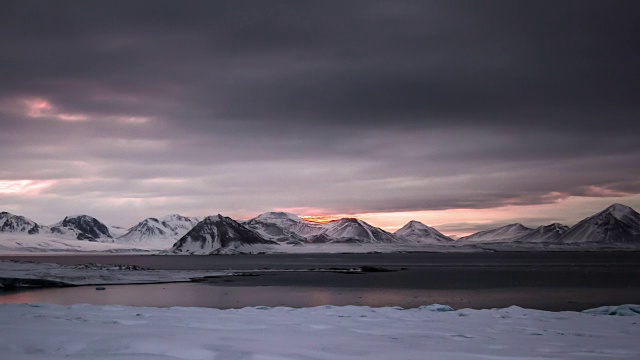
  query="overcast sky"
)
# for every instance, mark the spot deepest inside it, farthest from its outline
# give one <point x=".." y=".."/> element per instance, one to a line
<point x="462" y="114"/>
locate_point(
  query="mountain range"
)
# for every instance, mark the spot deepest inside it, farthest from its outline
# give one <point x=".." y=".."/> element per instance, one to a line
<point x="617" y="224"/>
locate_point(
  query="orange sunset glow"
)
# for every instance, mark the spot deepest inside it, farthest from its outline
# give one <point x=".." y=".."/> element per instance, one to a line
<point x="320" y="219"/>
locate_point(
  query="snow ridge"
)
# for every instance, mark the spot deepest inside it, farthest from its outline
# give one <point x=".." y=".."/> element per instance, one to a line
<point x="545" y="233"/>
<point x="501" y="234"/>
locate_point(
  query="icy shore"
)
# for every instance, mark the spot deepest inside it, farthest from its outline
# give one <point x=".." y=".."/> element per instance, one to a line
<point x="21" y="274"/>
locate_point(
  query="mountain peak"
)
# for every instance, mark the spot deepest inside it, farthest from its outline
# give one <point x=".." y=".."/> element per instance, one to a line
<point x="347" y="220"/>
<point x="16" y="223"/>
<point x="215" y="218"/>
<point x="78" y="216"/>
<point x="616" y="224"/>
<point x="515" y="226"/>
<point x="417" y="232"/>
<point x="280" y="215"/>
<point x="84" y="227"/>
<point x="177" y="217"/>
<point x="353" y="230"/>
<point x="416" y="225"/>
<point x="619" y="210"/>
<point x="154" y="230"/>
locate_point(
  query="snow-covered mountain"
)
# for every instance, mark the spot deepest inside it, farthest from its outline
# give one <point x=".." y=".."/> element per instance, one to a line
<point x="147" y="229"/>
<point x="180" y="224"/>
<point x="545" y="233"/>
<point x="289" y="228"/>
<point x="82" y="227"/>
<point x="350" y="230"/>
<point x="169" y="228"/>
<point x="218" y="235"/>
<point x="417" y="232"/>
<point x="282" y="227"/>
<point x="616" y="224"/>
<point x="18" y="224"/>
<point x="502" y="234"/>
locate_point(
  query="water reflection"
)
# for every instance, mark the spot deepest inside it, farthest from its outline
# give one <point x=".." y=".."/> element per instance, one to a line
<point x="203" y="295"/>
<point x="224" y="297"/>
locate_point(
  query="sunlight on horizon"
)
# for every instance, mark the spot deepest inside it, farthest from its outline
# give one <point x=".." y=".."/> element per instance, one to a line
<point x="462" y="222"/>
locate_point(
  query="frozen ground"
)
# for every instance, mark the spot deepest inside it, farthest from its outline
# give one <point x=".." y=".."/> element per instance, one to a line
<point x="12" y="243"/>
<point x="433" y="332"/>
<point x="17" y="273"/>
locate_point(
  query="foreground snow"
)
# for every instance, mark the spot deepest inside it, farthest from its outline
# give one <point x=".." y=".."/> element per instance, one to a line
<point x="433" y="332"/>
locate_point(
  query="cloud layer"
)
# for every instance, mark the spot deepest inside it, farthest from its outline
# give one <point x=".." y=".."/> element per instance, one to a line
<point x="128" y="109"/>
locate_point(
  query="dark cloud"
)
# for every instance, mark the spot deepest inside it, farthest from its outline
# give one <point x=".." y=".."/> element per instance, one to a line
<point x="340" y="105"/>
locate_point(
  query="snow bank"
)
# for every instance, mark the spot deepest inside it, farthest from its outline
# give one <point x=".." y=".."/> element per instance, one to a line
<point x="116" y="332"/>
<point x="623" y="310"/>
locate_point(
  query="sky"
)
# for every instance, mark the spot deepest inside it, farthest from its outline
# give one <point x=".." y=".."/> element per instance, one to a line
<point x="464" y="115"/>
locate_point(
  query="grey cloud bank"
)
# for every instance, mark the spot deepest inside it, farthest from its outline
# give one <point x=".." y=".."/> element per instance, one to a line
<point x="135" y="108"/>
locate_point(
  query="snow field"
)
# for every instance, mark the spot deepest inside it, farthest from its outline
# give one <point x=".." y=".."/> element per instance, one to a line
<point x="351" y="332"/>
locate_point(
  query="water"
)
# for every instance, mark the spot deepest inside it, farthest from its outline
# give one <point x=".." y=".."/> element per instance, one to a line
<point x="549" y="281"/>
<point x="304" y="261"/>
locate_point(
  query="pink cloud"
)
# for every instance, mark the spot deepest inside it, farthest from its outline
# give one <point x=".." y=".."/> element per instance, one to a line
<point x="23" y="186"/>
<point x="41" y="108"/>
<point x="598" y="191"/>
